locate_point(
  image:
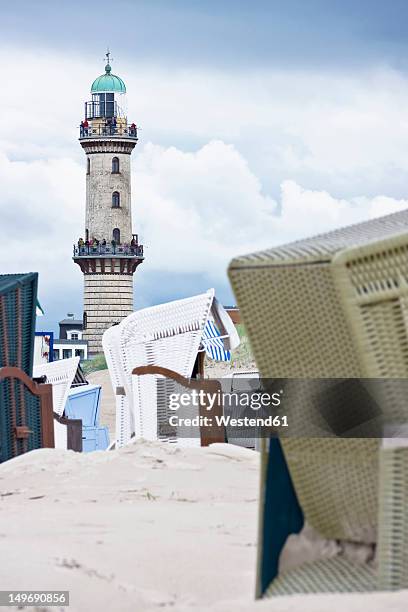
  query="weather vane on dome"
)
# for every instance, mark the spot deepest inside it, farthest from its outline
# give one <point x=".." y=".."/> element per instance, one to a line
<point x="108" y="60"/>
<point x="107" y="57"/>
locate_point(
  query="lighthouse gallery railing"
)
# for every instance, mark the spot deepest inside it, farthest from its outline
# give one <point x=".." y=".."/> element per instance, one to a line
<point x="108" y="249"/>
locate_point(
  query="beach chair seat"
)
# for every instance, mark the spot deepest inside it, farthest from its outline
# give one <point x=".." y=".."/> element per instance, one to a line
<point x="336" y="575"/>
<point x="83" y="403"/>
<point x="205" y="434"/>
<point x="94" y="438"/>
<point x="334" y="307"/>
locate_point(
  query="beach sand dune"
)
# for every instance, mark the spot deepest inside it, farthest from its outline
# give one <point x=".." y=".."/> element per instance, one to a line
<point x="150" y="526"/>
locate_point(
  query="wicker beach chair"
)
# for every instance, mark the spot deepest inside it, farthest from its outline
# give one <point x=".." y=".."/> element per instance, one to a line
<point x="18" y="299"/>
<point x="61" y="375"/>
<point x="333" y="306"/>
<point x="26" y="420"/>
<point x="168" y="335"/>
<point x="240" y="382"/>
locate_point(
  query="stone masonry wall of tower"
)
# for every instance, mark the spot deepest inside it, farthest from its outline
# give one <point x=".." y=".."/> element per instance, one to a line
<point x="101" y="184"/>
<point x="107" y="300"/>
<point x="108" y="267"/>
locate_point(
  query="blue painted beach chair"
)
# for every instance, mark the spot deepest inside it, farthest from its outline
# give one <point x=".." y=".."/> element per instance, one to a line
<point x="83" y="403"/>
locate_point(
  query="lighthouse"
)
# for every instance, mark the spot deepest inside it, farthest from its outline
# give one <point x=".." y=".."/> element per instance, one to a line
<point x="109" y="252"/>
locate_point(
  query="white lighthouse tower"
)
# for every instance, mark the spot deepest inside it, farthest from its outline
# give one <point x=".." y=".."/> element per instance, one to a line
<point x="109" y="251"/>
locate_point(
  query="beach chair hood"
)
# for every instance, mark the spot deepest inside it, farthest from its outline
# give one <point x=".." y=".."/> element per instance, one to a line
<point x="61" y="375"/>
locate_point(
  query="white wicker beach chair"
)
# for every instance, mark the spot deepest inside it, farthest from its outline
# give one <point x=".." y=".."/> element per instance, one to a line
<point x="168" y="335"/>
<point x="60" y="374"/>
<point x="124" y="421"/>
<point x="245" y="381"/>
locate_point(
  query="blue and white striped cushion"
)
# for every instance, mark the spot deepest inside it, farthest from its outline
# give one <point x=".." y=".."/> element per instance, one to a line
<point x="213" y="344"/>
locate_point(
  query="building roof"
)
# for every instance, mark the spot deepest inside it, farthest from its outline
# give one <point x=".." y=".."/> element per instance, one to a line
<point x="8" y="281"/>
<point x="108" y="82"/>
<point x="71" y="322"/>
<point x="70" y="342"/>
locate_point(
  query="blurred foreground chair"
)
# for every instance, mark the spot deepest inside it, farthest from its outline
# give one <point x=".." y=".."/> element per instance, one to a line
<point x="169" y="336"/>
<point x="333" y="306"/>
<point x="26" y="417"/>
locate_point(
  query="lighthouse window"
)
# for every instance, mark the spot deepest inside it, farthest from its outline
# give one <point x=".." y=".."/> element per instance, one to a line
<point x="102" y="105"/>
<point x="110" y="107"/>
<point x="88" y="166"/>
<point x="115" y="199"/>
<point x="115" y="165"/>
<point x="116" y="235"/>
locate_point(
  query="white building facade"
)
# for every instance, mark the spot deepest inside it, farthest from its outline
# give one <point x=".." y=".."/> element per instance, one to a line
<point x="71" y="342"/>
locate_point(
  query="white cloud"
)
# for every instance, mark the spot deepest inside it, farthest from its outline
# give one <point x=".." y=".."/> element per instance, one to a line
<point x="40" y="215"/>
<point x="204" y="200"/>
<point x="341" y="131"/>
<point x="195" y="211"/>
<point x="198" y="210"/>
<point x="306" y="212"/>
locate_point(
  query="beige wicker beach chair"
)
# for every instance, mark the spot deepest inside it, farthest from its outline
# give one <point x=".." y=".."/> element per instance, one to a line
<point x="336" y="306"/>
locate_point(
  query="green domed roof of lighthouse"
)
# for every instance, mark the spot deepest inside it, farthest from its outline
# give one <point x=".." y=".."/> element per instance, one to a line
<point x="108" y="82"/>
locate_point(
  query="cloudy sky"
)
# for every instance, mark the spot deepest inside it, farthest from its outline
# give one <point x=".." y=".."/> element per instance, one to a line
<point x="262" y="122"/>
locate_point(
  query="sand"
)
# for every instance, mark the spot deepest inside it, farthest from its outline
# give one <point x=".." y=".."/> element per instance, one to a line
<point x="148" y="527"/>
<point x="107" y="403"/>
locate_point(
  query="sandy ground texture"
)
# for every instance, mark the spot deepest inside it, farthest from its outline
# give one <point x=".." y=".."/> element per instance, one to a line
<point x="148" y="527"/>
<point x="107" y="404"/>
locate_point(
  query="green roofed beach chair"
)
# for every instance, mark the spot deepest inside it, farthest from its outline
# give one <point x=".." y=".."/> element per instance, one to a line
<point x="332" y="306"/>
<point x="26" y="417"/>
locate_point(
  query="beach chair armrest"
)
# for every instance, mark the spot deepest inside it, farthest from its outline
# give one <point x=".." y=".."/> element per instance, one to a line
<point x="393" y="515"/>
<point x="208" y="434"/>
